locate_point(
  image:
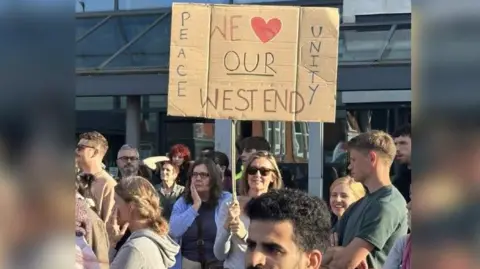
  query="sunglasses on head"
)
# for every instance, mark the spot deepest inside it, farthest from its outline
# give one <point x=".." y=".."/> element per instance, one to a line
<point x="263" y="171"/>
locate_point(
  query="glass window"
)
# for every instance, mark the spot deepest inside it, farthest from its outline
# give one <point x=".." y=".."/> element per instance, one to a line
<point x="144" y="4"/>
<point x="362" y="44"/>
<point x="257" y="1"/>
<point x="158" y="101"/>
<point x="148" y="135"/>
<point x="150" y="50"/>
<point x="399" y="47"/>
<point x="93" y="5"/>
<point x="154" y="102"/>
<point x="94" y="103"/>
<point x="275" y="135"/>
<point x="300" y="142"/>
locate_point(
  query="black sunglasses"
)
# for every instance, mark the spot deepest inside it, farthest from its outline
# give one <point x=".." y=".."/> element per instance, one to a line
<point x="82" y="147"/>
<point x="263" y="171"/>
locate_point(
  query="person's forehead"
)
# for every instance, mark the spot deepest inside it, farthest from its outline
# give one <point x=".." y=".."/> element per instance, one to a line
<point x="248" y="151"/>
<point x="261" y="162"/>
<point x="168" y="166"/>
<point x="200" y="168"/>
<point x="276" y="232"/>
<point x="127" y="153"/>
<point x="354" y="152"/>
<point x="341" y="188"/>
<point x="402" y="138"/>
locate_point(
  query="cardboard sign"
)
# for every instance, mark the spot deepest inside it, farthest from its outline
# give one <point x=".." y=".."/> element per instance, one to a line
<point x="250" y="62"/>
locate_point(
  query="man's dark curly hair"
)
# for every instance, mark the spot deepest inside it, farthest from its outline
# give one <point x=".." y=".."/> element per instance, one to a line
<point x="405" y="130"/>
<point x="309" y="216"/>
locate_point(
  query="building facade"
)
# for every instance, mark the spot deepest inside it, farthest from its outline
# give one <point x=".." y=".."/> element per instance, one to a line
<point x="122" y="79"/>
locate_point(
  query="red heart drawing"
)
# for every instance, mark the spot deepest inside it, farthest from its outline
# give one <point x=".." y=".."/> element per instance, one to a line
<point x="266" y="31"/>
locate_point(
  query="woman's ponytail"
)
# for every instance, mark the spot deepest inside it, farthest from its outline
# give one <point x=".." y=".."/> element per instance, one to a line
<point x="159" y="223"/>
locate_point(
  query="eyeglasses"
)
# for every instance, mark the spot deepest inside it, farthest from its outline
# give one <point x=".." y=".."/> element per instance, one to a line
<point x="202" y="175"/>
<point x="128" y="158"/>
<point x="263" y="171"/>
<point x="82" y="147"/>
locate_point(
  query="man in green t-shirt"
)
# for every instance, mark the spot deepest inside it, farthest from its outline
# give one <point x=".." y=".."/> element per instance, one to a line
<point x="369" y="227"/>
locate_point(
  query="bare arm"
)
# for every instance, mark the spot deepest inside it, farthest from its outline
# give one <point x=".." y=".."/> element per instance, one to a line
<point x="352" y="255"/>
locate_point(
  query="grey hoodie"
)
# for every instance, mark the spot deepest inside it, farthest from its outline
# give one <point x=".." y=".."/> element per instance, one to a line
<point x="145" y="249"/>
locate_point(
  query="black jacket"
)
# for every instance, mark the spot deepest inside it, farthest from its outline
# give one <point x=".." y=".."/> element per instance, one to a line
<point x="402" y="181"/>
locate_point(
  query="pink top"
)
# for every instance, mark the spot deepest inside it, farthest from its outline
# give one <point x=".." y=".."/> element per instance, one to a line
<point x="85" y="257"/>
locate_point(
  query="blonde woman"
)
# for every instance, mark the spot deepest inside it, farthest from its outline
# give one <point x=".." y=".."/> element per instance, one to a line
<point x="149" y="247"/>
<point x="344" y="191"/>
<point x="260" y="175"/>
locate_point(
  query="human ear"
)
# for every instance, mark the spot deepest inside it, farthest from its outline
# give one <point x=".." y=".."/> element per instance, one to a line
<point x="314" y="259"/>
<point x="373" y="157"/>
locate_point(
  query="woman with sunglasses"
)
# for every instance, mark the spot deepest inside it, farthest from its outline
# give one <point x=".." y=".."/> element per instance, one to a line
<point x="261" y="174"/>
<point x="195" y="216"/>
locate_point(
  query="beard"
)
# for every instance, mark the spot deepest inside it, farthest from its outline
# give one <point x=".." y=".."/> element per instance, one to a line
<point x="129" y="171"/>
<point x="255" y="267"/>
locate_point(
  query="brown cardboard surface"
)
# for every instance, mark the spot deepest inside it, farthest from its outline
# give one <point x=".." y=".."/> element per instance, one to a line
<point x="249" y="62"/>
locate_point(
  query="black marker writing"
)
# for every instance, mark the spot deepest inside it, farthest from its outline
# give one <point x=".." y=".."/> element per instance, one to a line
<point x="314" y="53"/>
<point x="253" y="64"/>
<point x="272" y="100"/>
<point x="181" y="69"/>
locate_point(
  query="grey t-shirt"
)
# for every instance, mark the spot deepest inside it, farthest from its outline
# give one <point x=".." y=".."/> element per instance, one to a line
<point x="379" y="218"/>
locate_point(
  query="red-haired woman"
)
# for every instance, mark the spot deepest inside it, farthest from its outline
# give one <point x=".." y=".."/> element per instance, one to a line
<point x="180" y="156"/>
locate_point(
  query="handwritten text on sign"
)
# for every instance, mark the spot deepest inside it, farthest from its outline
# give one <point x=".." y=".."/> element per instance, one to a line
<point x="253" y="62"/>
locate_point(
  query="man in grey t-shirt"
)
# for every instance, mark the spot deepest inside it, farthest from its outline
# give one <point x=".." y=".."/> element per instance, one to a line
<point x="369" y="227"/>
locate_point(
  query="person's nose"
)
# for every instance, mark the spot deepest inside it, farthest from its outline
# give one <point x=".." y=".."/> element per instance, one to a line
<point x="338" y="198"/>
<point x="256" y="258"/>
<point x="409" y="205"/>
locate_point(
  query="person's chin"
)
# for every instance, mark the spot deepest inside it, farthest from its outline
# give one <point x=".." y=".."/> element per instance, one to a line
<point x="338" y="212"/>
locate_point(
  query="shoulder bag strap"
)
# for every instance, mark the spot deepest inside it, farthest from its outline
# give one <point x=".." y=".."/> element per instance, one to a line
<point x="200" y="242"/>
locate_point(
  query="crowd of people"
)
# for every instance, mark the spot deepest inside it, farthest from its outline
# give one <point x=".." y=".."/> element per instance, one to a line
<point x="178" y="211"/>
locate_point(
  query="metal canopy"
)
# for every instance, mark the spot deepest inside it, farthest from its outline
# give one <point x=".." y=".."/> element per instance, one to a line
<point x="138" y="42"/>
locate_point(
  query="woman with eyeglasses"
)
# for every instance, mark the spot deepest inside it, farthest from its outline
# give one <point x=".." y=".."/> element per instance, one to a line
<point x="195" y="216"/>
<point x="261" y="174"/>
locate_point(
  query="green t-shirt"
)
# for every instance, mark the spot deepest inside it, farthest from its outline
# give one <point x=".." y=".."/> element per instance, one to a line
<point x="379" y="218"/>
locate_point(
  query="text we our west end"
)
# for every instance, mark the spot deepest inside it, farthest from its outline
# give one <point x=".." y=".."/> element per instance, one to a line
<point x="250" y="64"/>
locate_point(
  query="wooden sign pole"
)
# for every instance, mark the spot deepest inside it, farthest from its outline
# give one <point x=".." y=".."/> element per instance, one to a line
<point x="233" y="158"/>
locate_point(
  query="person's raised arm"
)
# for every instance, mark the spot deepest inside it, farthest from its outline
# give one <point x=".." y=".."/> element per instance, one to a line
<point x="183" y="215"/>
<point x="223" y="239"/>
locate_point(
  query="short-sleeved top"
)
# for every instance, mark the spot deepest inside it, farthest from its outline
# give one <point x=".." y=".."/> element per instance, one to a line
<point x="379" y="218"/>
